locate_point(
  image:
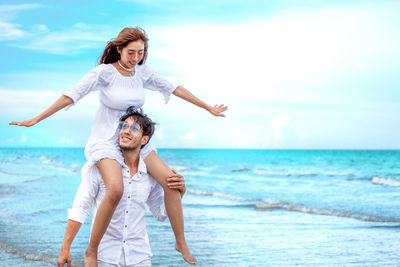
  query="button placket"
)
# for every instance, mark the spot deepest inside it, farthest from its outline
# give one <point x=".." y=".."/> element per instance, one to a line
<point x="126" y="217"/>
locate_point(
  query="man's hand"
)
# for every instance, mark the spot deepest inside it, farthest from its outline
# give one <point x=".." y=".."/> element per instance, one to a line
<point x="65" y="257"/>
<point x="176" y="181"/>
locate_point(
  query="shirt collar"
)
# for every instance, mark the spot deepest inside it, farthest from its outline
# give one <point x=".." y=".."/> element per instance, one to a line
<point x="142" y="166"/>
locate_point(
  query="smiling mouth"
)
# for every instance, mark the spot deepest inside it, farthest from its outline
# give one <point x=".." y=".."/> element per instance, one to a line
<point x="125" y="138"/>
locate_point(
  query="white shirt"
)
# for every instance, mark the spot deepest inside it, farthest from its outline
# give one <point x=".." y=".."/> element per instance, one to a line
<point x="117" y="93"/>
<point x="127" y="229"/>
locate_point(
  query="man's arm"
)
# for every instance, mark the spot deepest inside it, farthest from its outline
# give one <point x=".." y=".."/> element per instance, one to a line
<point x="81" y="206"/>
<point x="70" y="233"/>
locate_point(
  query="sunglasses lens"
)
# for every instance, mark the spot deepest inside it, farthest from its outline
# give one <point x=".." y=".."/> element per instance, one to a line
<point x="134" y="128"/>
<point x="123" y="125"/>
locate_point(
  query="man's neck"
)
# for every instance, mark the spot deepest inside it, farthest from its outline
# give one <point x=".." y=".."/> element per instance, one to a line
<point x="131" y="159"/>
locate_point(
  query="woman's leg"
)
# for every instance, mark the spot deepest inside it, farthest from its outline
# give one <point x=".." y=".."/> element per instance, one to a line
<point x="160" y="171"/>
<point x="111" y="171"/>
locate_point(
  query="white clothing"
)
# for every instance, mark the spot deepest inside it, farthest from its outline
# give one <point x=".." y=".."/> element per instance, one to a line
<point x="126" y="232"/>
<point x="144" y="263"/>
<point x="117" y="93"/>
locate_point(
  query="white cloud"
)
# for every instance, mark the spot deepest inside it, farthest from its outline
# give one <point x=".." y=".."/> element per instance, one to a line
<point x="279" y="123"/>
<point x="65" y="141"/>
<point x="8" y="29"/>
<point x="301" y="57"/>
<point x="15" y="8"/>
<point x="23" y="138"/>
<point x="40" y="28"/>
<point x="73" y="40"/>
<point x="265" y="141"/>
<point x="303" y="136"/>
<point x="190" y="135"/>
<point x="25" y="104"/>
<point x="159" y="133"/>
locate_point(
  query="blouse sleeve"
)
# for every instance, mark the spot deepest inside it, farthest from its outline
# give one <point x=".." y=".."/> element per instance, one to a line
<point x="153" y="81"/>
<point x="87" y="84"/>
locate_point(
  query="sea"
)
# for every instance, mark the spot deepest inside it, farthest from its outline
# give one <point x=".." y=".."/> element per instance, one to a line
<point x="242" y="207"/>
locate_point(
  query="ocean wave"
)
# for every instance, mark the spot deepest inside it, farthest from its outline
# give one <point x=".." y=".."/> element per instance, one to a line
<point x="18" y="173"/>
<point x="46" y="159"/>
<point x="272" y="204"/>
<point x="43" y="177"/>
<point x="207" y="169"/>
<point x="31" y="256"/>
<point x="386" y="181"/>
<point x="241" y="170"/>
<point x="53" y="168"/>
<point x="6" y="189"/>
<point x="321" y="211"/>
<point x="221" y="194"/>
<point x="179" y="168"/>
<point x="48" y="211"/>
<point x="288" y="173"/>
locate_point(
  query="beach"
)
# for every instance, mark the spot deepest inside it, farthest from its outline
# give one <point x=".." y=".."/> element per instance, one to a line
<point x="242" y="207"/>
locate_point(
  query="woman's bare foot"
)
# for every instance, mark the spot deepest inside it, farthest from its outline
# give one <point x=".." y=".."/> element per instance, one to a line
<point x="90" y="258"/>
<point x="187" y="256"/>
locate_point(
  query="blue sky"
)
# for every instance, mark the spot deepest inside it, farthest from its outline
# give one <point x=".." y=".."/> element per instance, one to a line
<point x="295" y="74"/>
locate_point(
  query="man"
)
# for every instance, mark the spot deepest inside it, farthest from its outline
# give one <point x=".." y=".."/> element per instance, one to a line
<point x="125" y="241"/>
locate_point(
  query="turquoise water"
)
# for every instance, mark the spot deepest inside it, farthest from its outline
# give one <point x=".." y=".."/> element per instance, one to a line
<point x="242" y="208"/>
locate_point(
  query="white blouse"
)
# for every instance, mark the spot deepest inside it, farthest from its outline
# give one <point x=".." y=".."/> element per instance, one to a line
<point x="117" y="93"/>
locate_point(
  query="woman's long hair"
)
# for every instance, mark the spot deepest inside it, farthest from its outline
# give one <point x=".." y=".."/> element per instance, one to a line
<point x="127" y="35"/>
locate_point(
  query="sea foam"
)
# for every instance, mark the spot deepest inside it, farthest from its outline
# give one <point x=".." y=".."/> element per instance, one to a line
<point x="272" y="204"/>
<point x="386" y="181"/>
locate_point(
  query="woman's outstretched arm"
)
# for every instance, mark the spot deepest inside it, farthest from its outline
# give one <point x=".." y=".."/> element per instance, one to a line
<point x="60" y="103"/>
<point x="188" y="96"/>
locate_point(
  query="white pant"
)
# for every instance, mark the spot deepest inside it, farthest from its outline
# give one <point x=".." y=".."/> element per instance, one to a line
<point x="144" y="263"/>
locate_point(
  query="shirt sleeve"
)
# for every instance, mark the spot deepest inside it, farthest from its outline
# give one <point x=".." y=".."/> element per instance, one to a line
<point x="84" y="197"/>
<point x="156" y="203"/>
<point x="85" y="85"/>
<point x="153" y="81"/>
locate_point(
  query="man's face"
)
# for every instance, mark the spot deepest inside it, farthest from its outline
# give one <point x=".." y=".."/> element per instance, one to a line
<point x="131" y="135"/>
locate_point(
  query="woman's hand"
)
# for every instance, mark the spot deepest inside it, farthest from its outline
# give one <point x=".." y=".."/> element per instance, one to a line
<point x="188" y="96"/>
<point x="26" y="123"/>
<point x="217" y="110"/>
<point x="60" y="103"/>
<point x="176" y="181"/>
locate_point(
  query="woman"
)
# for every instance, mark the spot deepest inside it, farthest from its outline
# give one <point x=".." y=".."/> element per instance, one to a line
<point x="120" y="77"/>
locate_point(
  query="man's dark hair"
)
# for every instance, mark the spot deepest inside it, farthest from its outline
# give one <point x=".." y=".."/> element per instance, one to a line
<point x="142" y="119"/>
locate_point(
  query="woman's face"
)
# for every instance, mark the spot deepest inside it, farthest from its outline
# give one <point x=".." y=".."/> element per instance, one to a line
<point x="132" y="53"/>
